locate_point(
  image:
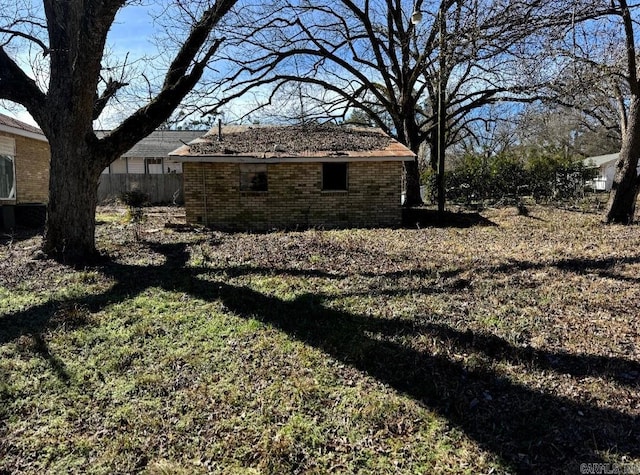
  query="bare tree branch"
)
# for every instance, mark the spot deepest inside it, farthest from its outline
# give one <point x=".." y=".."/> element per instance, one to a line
<point x="110" y="90"/>
<point x="17" y="87"/>
<point x="20" y="34"/>
<point x="182" y="75"/>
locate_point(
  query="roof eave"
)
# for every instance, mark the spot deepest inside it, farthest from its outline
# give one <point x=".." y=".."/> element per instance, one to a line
<point x="23" y="133"/>
<point x="252" y="158"/>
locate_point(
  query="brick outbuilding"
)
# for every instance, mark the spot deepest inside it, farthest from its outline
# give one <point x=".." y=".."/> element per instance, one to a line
<point x="270" y="177"/>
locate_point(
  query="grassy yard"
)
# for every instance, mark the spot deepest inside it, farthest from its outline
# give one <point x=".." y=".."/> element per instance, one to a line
<point x="507" y="347"/>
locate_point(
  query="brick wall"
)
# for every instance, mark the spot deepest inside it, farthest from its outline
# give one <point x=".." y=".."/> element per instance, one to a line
<point x="32" y="169"/>
<point x="295" y="197"/>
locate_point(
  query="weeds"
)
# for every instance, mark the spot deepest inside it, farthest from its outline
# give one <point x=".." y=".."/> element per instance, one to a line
<point x="135" y="200"/>
<point x="484" y="349"/>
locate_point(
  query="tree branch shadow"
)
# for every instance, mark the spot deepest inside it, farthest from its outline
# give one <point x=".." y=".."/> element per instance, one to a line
<point x="621" y="370"/>
<point x="598" y="266"/>
<point x="532" y="429"/>
<point x="423" y="218"/>
<point x="41" y="347"/>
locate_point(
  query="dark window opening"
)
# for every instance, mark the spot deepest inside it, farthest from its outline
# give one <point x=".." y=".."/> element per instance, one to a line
<point x="253" y="177"/>
<point x="334" y="176"/>
<point x="7" y="178"/>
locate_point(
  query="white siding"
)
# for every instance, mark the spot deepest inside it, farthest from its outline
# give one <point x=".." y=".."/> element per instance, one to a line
<point x="142" y="166"/>
<point x="119" y="166"/>
<point x="136" y="166"/>
<point x="154" y="166"/>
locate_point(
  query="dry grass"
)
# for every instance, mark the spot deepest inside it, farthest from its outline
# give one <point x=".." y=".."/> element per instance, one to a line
<point x="505" y="348"/>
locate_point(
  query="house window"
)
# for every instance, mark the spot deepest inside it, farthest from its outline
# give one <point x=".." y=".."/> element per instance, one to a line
<point x="334" y="176"/>
<point x="7" y="169"/>
<point x="153" y="165"/>
<point x="7" y="178"/>
<point x="253" y="177"/>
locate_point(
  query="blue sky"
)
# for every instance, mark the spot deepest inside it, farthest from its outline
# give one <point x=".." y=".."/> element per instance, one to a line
<point x="132" y="32"/>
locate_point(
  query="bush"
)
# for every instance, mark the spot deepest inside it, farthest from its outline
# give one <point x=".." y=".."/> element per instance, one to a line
<point x="135" y="198"/>
<point x="467" y="183"/>
<point x="544" y="175"/>
<point x="509" y="178"/>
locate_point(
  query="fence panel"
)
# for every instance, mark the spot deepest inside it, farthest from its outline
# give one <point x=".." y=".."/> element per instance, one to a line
<point x="160" y="188"/>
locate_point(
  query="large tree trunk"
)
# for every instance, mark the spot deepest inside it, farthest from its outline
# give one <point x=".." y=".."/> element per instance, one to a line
<point x="412" y="179"/>
<point x="73" y="192"/>
<point x="408" y="134"/>
<point x="78" y="93"/>
<point x="624" y="192"/>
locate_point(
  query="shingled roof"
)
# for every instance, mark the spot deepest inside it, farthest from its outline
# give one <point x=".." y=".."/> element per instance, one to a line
<point x="159" y="143"/>
<point x="292" y="143"/>
<point x="9" y="124"/>
<point x="600" y="160"/>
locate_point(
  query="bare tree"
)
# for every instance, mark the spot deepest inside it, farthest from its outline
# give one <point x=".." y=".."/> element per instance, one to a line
<point x="567" y="129"/>
<point x="52" y="61"/>
<point x="596" y="60"/>
<point x="408" y="73"/>
<point x="626" y="183"/>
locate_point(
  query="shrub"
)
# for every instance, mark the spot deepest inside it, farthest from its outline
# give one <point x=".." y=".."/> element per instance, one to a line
<point x="135" y="198"/>
<point x="544" y="175"/>
<point x="509" y="177"/>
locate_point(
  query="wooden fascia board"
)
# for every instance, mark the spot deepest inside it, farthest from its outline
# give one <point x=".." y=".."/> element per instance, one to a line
<point x="288" y="159"/>
<point x="22" y="133"/>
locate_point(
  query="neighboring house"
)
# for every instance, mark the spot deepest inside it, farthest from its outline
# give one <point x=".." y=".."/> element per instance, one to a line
<point x="148" y="168"/>
<point x="266" y="177"/>
<point x="606" y="165"/>
<point x="24" y="174"/>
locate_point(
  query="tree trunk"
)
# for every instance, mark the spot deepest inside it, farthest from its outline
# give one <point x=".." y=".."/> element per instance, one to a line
<point x="412" y="179"/>
<point x="73" y="192"/>
<point x="433" y="165"/>
<point x="408" y="135"/>
<point x="624" y="192"/>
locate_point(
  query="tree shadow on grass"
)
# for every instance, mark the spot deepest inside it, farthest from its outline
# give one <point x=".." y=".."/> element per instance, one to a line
<point x="41" y="347"/>
<point x="531" y="429"/>
<point x="623" y="371"/>
<point x="598" y="266"/>
<point x="425" y="218"/>
<point x="18" y="235"/>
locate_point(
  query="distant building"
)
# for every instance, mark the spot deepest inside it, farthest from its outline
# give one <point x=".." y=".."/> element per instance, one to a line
<point x="606" y="165"/>
<point x="150" y="156"/>
<point x="147" y="167"/>
<point x="266" y="177"/>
